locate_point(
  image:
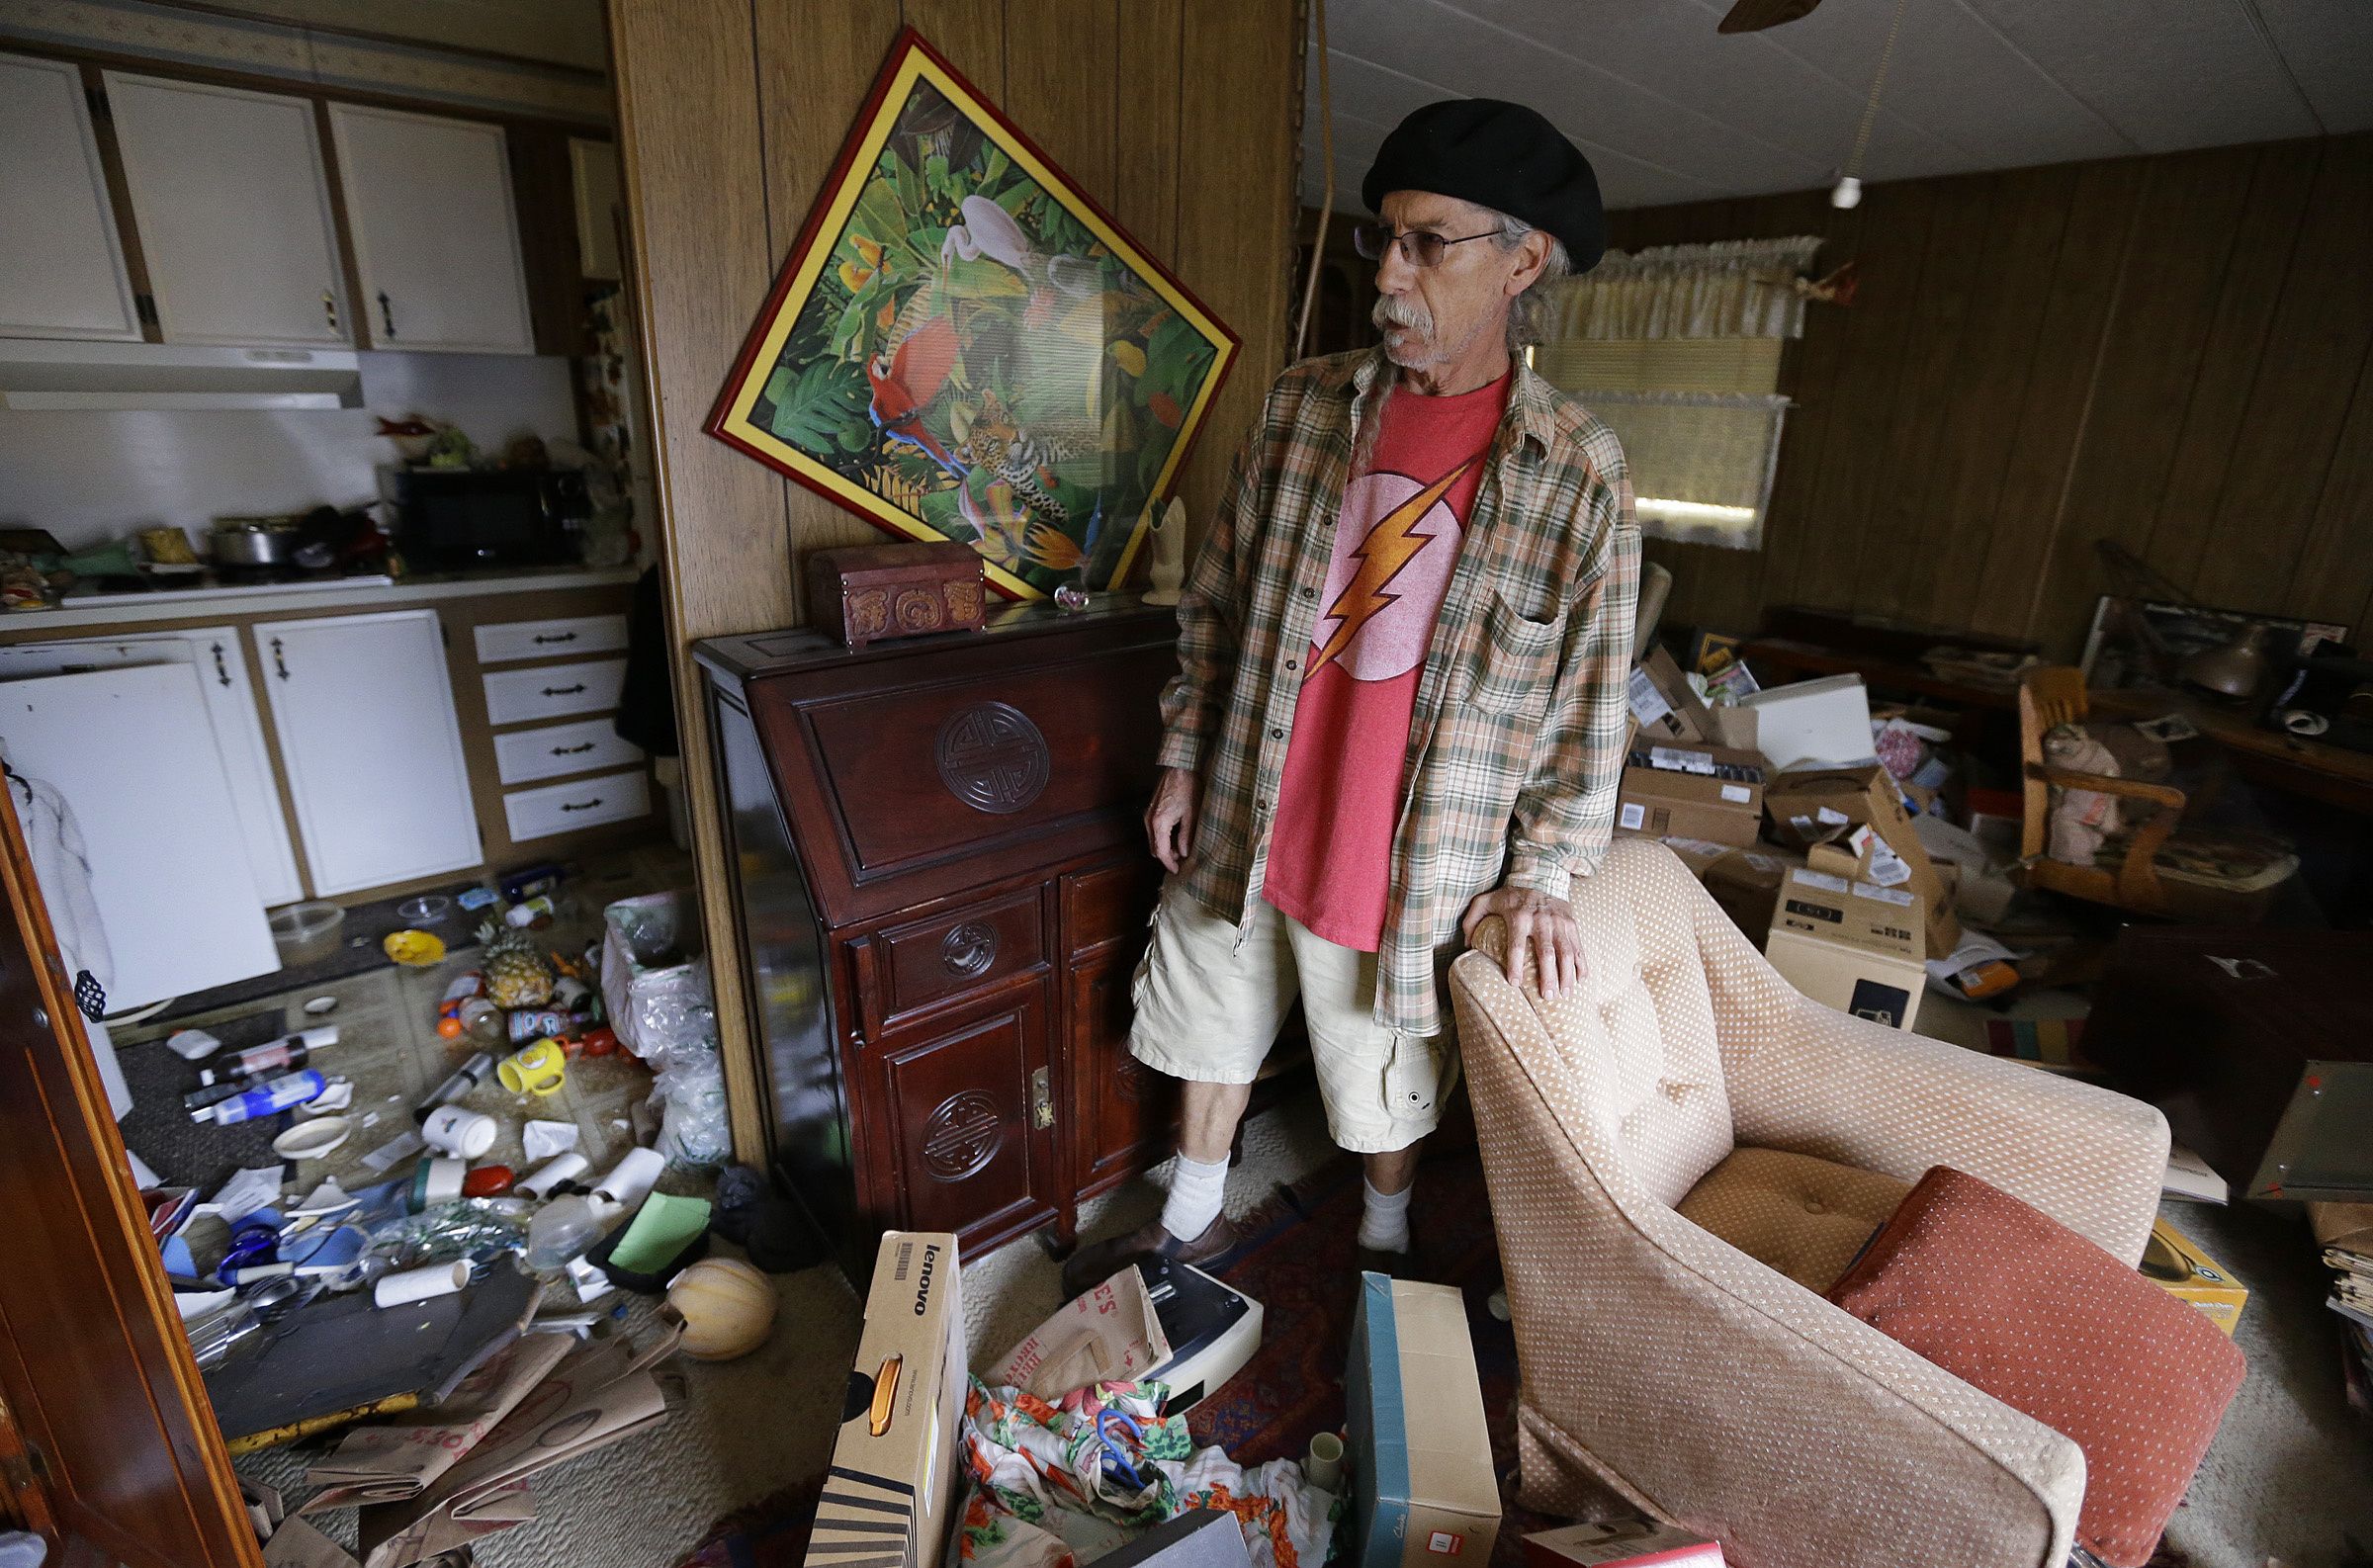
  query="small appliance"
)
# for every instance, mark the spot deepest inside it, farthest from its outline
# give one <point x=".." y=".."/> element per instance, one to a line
<point x="452" y="519"/>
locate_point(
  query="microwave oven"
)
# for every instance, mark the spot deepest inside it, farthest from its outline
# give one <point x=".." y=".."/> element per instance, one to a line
<point x="454" y="519"/>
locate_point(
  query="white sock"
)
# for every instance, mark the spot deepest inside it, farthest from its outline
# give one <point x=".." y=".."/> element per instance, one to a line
<point x="1195" y="1191"/>
<point x="1384" y="1225"/>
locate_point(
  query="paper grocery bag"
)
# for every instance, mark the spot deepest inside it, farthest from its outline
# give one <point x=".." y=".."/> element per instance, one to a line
<point x="1109" y="1334"/>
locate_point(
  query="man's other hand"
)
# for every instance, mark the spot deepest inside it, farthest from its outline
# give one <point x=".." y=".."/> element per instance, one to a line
<point x="1170" y="819"/>
<point x="1548" y="924"/>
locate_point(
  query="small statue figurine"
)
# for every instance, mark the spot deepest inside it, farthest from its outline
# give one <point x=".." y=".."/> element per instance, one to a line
<point x="1169" y="567"/>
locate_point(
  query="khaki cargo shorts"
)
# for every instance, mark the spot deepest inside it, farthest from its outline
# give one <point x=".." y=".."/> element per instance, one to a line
<point x="1207" y="1011"/>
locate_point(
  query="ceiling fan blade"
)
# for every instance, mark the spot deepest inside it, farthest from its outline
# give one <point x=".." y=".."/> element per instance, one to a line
<point x="1753" y="16"/>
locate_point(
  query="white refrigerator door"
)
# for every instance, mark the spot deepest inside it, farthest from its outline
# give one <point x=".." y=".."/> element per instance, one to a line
<point x="213" y="651"/>
<point x="132" y="751"/>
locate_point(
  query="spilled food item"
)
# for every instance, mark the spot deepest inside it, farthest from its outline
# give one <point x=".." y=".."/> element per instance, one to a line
<point x="415" y="949"/>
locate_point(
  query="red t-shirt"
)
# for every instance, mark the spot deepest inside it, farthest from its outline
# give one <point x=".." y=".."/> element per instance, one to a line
<point x="1330" y="854"/>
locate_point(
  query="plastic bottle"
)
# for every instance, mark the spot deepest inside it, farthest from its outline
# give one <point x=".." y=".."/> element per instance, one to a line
<point x="481" y="1021"/>
<point x="465" y="1079"/>
<point x="568" y="1225"/>
<point x="289" y="1051"/>
<point x="464" y="988"/>
<point x="277" y="1095"/>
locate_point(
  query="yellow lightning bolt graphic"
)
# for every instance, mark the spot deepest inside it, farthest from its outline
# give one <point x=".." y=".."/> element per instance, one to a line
<point x="1388" y="547"/>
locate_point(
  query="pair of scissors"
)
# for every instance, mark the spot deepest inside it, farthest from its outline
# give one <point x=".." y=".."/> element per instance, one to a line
<point x="1116" y="1455"/>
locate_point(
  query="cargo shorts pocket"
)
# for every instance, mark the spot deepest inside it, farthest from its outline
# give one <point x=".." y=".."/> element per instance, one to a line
<point x="1413" y="1076"/>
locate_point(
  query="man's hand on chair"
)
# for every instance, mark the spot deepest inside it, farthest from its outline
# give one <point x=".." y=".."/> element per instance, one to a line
<point x="1548" y="924"/>
<point x="1169" y="817"/>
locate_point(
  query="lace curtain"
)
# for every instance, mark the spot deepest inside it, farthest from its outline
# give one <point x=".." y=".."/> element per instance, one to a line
<point x="1737" y="288"/>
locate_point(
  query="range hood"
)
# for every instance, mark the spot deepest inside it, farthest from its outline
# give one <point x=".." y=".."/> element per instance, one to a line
<point x="48" y="373"/>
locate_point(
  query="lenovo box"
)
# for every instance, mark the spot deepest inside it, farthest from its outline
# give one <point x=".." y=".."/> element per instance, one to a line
<point x="2174" y="1263"/>
<point x="1422" y="1491"/>
<point x="1620" y="1543"/>
<point x="891" y="1493"/>
<point x="1743" y="882"/>
<point x="1691" y="790"/>
<point x="1850" y="945"/>
<point x="1861" y="809"/>
<point x="1663" y="703"/>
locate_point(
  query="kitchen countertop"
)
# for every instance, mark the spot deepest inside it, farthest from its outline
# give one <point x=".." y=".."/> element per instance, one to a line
<point x="312" y="593"/>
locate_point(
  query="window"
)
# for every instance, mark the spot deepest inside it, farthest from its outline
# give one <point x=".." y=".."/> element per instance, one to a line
<point x="1677" y="350"/>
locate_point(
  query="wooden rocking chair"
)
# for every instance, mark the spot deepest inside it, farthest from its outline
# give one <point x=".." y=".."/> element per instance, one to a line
<point x="2051" y="695"/>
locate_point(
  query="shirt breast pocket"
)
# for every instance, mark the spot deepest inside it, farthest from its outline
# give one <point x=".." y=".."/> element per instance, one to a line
<point x="1516" y="661"/>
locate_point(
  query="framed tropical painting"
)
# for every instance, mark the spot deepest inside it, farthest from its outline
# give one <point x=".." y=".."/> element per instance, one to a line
<point x="963" y="347"/>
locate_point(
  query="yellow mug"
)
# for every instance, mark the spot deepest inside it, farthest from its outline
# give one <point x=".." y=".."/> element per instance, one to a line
<point x="534" y="1070"/>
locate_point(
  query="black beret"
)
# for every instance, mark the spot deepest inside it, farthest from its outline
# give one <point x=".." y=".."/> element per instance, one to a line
<point x="1499" y="155"/>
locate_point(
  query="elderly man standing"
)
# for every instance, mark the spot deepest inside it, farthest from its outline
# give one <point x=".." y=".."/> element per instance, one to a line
<point x="1401" y="701"/>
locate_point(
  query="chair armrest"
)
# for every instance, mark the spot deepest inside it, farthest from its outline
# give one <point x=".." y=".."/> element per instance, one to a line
<point x="1848" y="1090"/>
<point x="1701" y="1384"/>
<point x="2107" y="784"/>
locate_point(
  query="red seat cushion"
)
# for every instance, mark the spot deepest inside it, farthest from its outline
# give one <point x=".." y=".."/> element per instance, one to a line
<point x="2011" y="1300"/>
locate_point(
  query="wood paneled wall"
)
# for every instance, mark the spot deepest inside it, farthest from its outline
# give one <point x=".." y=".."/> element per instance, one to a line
<point x="2169" y="352"/>
<point x="1182" y="120"/>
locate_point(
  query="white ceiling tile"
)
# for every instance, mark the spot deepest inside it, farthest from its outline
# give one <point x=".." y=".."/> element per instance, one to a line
<point x="2168" y="73"/>
<point x="2329" y="46"/>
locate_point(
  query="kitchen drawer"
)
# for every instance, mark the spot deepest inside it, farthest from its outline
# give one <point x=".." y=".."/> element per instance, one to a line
<point x="582" y="803"/>
<point x="552" y="691"/>
<point x="522" y="756"/>
<point x="508" y="641"/>
<point x="930" y="960"/>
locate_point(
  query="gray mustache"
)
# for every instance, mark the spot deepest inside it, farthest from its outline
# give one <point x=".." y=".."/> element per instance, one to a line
<point x="1392" y="311"/>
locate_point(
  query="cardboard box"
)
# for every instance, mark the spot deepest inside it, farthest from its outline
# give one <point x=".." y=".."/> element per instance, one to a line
<point x="1664" y="704"/>
<point x="892" y="1490"/>
<point x="1824" y="722"/>
<point x="1200" y="1538"/>
<point x="1693" y="790"/>
<point x="1422" y="1491"/>
<point x="1743" y="881"/>
<point x="1850" y="946"/>
<point x="1831" y="805"/>
<point x="2174" y="1263"/>
<point x="1620" y="1543"/>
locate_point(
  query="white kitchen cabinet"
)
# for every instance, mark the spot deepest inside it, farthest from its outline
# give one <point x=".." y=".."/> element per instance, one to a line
<point x="133" y="754"/>
<point x="214" y="653"/>
<point x="372" y="747"/>
<point x="233" y="210"/>
<point x="436" y="236"/>
<point x="594" y="177"/>
<point x="62" y="261"/>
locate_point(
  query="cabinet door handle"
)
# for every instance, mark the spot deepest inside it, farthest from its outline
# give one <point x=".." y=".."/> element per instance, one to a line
<point x="386" y="313"/>
<point x="221" y="670"/>
<point x="329" y="308"/>
<point x="581" y="806"/>
<point x="556" y="637"/>
<point x="1042" y="1101"/>
<point x="279" y="665"/>
<point x="571" y="750"/>
<point x="564" y="691"/>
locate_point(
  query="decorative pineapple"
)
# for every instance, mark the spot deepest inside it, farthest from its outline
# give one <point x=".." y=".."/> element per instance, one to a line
<point x="516" y="974"/>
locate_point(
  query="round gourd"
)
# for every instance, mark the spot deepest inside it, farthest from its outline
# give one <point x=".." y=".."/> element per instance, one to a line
<point x="728" y="1308"/>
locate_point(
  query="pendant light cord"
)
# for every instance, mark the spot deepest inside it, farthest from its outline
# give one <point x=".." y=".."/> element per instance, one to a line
<point x="1870" y="111"/>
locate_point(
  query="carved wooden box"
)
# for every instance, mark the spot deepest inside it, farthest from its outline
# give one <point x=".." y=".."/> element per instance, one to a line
<point x="871" y="593"/>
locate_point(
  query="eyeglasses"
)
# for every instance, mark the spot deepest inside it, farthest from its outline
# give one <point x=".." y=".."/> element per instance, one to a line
<point x="1420" y="247"/>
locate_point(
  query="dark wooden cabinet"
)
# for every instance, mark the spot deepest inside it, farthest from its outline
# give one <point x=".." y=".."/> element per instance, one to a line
<point x="942" y="893"/>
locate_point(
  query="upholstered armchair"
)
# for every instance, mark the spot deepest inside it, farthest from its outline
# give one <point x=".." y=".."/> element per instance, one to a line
<point x="1683" y="1153"/>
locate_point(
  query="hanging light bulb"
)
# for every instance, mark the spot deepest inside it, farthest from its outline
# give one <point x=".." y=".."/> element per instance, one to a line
<point x="1847" y="192"/>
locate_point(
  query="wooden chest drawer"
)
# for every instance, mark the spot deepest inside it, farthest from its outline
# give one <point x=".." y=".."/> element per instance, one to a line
<point x="1109" y="902"/>
<point x="968" y="949"/>
<point x="552" y="691"/>
<point x="556" y="751"/>
<point x="583" y="803"/>
<point x="507" y="642"/>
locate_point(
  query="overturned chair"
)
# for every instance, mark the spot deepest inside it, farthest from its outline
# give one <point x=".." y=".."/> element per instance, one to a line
<point x="1683" y="1154"/>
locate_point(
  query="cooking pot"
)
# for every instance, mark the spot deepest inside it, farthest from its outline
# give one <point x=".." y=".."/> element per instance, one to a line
<point x="252" y="540"/>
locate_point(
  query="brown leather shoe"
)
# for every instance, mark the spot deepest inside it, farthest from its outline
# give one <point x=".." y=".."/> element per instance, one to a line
<point x="1092" y="1265"/>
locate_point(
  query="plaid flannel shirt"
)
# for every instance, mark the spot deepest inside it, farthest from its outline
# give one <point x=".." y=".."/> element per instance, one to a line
<point x="1516" y="745"/>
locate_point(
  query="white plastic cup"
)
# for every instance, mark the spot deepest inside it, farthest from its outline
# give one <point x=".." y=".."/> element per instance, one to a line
<point x="420" y="1284"/>
<point x="1322" y="1466"/>
<point x="459" y="1131"/>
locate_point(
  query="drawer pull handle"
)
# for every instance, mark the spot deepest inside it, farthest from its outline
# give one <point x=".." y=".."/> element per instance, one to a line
<point x="581" y="806"/>
<point x="571" y="750"/>
<point x="386" y="313"/>
<point x="556" y="637"/>
<point x="564" y="691"/>
<point x="280" y="665"/>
